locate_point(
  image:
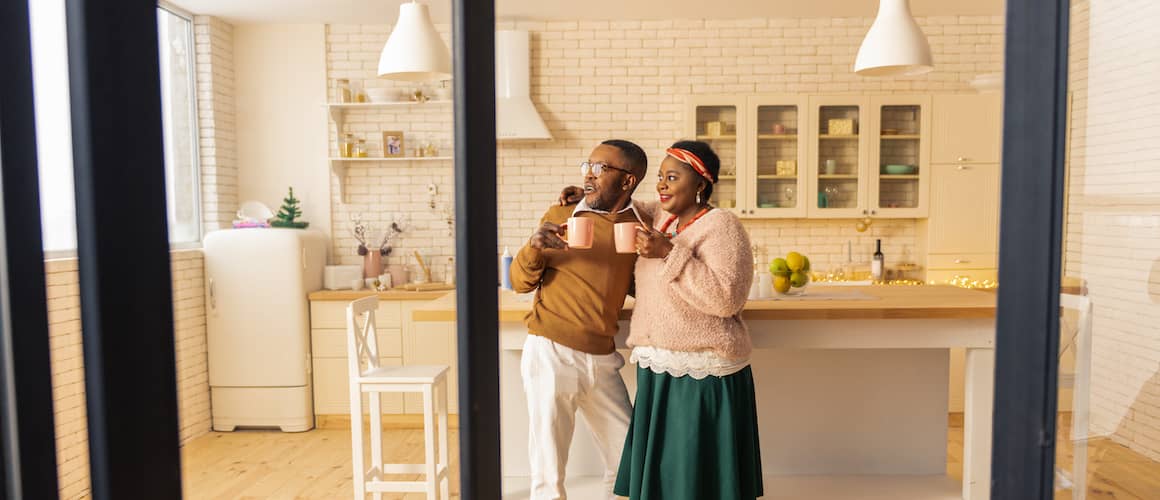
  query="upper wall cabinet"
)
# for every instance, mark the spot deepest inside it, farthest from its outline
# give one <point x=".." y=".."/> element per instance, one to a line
<point x="843" y="156"/>
<point x="869" y="156"/>
<point x="721" y="121"/>
<point x="774" y="178"/>
<point x="900" y="156"/>
<point x="967" y="128"/>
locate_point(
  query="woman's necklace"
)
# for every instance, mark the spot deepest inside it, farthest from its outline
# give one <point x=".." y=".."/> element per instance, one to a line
<point x="682" y="227"/>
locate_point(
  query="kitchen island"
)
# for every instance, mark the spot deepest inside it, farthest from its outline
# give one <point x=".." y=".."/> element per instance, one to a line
<point x="851" y="386"/>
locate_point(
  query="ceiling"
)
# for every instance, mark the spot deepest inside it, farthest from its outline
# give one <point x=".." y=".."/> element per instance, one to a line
<point x="385" y="11"/>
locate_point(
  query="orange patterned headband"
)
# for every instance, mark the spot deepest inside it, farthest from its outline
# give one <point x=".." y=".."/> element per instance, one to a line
<point x="693" y="161"/>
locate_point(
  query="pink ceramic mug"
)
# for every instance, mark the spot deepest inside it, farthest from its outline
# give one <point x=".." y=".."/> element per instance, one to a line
<point x="580" y="232"/>
<point x="625" y="235"/>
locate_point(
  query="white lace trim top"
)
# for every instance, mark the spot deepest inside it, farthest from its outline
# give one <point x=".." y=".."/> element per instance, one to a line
<point x="698" y="365"/>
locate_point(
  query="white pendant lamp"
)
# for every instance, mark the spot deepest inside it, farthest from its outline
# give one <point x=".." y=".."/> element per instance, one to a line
<point x="415" y="52"/>
<point x="895" y="46"/>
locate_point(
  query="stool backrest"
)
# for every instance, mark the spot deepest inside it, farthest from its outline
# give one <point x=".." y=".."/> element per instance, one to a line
<point x="362" y="335"/>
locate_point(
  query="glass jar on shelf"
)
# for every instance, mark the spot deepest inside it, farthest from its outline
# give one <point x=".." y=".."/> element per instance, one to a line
<point x="343" y="91"/>
<point x="360" y="149"/>
<point x="346" y="146"/>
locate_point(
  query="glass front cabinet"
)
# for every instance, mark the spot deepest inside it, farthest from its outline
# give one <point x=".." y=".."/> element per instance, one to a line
<point x="721" y="122"/>
<point x="818" y="157"/>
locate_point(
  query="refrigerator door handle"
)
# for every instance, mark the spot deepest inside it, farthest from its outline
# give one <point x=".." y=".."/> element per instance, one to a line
<point x="212" y="295"/>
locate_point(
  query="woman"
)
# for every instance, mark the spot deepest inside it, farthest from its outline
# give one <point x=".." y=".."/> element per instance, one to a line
<point x="694" y="426"/>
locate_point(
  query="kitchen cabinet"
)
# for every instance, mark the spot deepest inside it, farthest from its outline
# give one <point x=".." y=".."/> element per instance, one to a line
<point x="772" y="180"/>
<point x="852" y="139"/>
<point x="722" y="122"/>
<point x="962" y="234"/>
<point x="967" y="128"/>
<point x="400" y="343"/>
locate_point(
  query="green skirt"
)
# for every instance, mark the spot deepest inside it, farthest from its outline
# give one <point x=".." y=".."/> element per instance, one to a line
<point x="692" y="439"/>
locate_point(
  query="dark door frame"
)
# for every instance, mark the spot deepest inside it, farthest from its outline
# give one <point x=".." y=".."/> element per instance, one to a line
<point x="477" y="303"/>
<point x="27" y="432"/>
<point x="1030" y="238"/>
<point x="124" y="269"/>
<point x="123" y="249"/>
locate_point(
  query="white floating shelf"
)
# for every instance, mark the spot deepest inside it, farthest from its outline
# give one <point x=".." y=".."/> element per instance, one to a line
<point x="372" y="105"/>
<point x="338" y="167"/>
<point x="393" y="158"/>
<point x="338" y="110"/>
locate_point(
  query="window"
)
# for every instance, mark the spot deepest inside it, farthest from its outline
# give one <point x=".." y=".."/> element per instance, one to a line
<point x="179" y="123"/>
<point x="54" y="125"/>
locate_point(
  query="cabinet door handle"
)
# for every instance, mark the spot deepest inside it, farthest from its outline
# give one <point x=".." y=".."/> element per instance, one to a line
<point x="963" y="167"/>
<point x="963" y="158"/>
<point x="962" y="261"/>
<point x="873" y="212"/>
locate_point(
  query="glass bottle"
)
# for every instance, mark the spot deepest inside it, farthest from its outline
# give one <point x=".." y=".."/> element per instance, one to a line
<point x="360" y="149"/>
<point x="346" y="146"/>
<point x="343" y="91"/>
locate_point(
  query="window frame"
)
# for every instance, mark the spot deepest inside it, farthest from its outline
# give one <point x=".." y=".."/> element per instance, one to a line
<point x="196" y="128"/>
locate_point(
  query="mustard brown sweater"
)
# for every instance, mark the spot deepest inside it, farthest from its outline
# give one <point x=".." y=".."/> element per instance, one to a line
<point x="580" y="292"/>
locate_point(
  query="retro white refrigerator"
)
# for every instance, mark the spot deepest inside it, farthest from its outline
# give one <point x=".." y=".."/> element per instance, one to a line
<point x="258" y="325"/>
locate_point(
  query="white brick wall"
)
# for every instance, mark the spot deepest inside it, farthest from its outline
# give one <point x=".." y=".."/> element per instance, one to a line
<point x="214" y="41"/>
<point x="68" y="363"/>
<point x="627" y="79"/>
<point x="1113" y="233"/>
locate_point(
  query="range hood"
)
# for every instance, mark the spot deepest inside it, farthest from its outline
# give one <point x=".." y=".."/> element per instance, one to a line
<point x="515" y="115"/>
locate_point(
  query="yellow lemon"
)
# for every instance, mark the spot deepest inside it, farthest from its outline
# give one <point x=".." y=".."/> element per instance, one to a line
<point x="795" y="261"/>
<point x="781" y="284"/>
<point x="778" y="267"/>
<point x="805" y="264"/>
<point x="798" y="279"/>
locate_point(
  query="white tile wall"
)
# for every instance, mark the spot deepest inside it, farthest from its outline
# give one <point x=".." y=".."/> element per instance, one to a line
<point x="1113" y="231"/>
<point x="597" y="80"/>
<point x="68" y="363"/>
<point x="214" y="39"/>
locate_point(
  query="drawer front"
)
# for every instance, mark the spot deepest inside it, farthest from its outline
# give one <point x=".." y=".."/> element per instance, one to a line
<point x="963" y="261"/>
<point x="332" y="390"/>
<point x="332" y="314"/>
<point x="331" y="343"/>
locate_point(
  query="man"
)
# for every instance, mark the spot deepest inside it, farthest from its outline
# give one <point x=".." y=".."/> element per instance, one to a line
<point x="569" y="360"/>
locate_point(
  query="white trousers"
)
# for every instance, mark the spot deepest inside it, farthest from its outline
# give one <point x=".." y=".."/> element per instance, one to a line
<point x="558" y="381"/>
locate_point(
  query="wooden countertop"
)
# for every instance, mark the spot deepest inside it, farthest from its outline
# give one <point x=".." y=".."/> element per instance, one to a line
<point x="887" y="302"/>
<point x="349" y="295"/>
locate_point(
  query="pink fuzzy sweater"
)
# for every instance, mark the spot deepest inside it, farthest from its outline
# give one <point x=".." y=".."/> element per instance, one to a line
<point x="691" y="300"/>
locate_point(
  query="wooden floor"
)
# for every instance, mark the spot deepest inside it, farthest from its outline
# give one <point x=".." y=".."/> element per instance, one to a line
<point x="316" y="465"/>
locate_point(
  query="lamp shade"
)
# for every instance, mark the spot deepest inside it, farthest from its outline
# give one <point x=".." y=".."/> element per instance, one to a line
<point x="415" y="52"/>
<point x="894" y="46"/>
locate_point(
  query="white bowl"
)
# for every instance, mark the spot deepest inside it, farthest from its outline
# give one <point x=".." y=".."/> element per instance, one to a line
<point x="381" y="95"/>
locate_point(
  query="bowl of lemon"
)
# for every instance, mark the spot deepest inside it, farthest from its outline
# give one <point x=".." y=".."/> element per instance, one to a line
<point x="791" y="274"/>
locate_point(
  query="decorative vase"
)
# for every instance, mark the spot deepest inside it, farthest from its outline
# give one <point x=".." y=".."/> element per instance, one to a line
<point x="372" y="264"/>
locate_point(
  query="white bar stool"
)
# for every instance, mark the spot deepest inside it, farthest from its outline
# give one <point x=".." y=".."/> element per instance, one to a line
<point x="366" y="376"/>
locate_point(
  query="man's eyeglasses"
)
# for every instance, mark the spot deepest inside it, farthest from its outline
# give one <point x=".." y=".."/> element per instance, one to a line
<point x="598" y="168"/>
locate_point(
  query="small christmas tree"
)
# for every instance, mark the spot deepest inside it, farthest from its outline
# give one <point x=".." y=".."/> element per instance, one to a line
<point x="289" y="211"/>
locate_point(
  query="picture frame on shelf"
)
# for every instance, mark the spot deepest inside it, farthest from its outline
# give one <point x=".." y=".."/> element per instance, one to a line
<point x="393" y="146"/>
